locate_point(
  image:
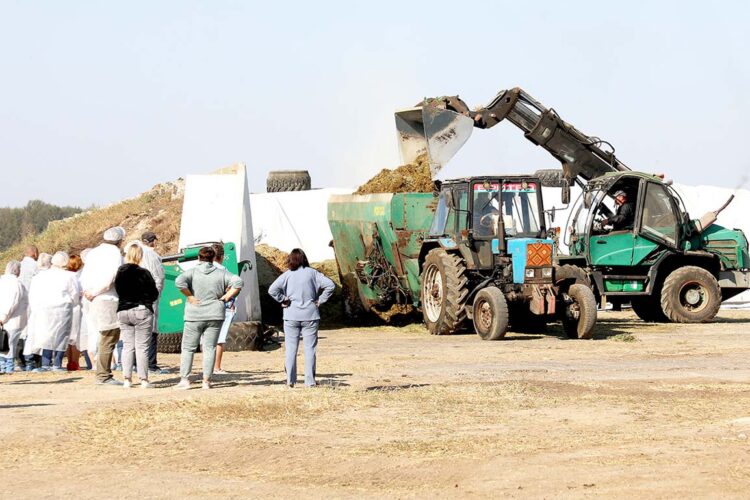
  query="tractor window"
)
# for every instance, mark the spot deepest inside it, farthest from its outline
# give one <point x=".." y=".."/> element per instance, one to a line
<point x="486" y="212"/>
<point x="443" y="216"/>
<point x="463" y="209"/>
<point x="520" y="208"/>
<point x="658" y="217"/>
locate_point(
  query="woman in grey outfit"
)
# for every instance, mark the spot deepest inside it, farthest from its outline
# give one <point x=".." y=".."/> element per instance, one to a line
<point x="301" y="291"/>
<point x="207" y="288"/>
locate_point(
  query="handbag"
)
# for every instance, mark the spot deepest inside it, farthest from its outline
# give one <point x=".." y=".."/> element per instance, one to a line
<point x="4" y="340"/>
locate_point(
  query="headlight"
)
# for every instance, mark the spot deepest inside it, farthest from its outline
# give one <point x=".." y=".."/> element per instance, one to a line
<point x="547" y="272"/>
<point x="529" y="273"/>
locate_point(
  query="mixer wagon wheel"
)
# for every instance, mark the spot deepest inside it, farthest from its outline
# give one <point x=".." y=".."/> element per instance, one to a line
<point x="169" y="343"/>
<point x="288" y="180"/>
<point x="579" y="316"/>
<point x="648" y="309"/>
<point x="444" y="292"/>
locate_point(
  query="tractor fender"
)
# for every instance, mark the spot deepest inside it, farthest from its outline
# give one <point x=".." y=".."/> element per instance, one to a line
<point x="668" y="262"/>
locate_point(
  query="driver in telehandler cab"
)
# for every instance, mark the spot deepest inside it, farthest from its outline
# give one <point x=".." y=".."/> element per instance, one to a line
<point x="624" y="216"/>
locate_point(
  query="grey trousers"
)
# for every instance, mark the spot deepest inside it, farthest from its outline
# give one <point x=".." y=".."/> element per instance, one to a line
<point x="135" y="333"/>
<point x="191" y="337"/>
<point x="308" y="330"/>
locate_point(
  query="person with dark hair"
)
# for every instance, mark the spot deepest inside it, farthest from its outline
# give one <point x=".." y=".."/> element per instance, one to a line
<point x="207" y="289"/>
<point x="301" y="291"/>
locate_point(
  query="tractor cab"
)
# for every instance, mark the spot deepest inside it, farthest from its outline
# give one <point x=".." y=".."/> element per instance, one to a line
<point x="481" y="215"/>
<point x="625" y="220"/>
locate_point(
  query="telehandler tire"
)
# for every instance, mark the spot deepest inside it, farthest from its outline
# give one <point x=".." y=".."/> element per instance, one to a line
<point x="288" y="180"/>
<point x="490" y="314"/>
<point x="568" y="273"/>
<point x="690" y="295"/>
<point x="169" y="343"/>
<point x="444" y="292"/>
<point x="584" y="306"/>
<point x="649" y="309"/>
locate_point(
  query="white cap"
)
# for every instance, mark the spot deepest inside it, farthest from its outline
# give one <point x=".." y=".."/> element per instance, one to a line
<point x="114" y="234"/>
<point x="60" y="259"/>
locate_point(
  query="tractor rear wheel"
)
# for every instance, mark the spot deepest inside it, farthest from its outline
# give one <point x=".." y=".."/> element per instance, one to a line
<point x="690" y="295"/>
<point x="649" y="309"/>
<point x="579" y="316"/>
<point x="490" y="314"/>
<point x="444" y="292"/>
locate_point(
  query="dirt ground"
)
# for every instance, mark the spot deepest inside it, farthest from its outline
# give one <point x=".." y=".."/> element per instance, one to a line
<point x="640" y="411"/>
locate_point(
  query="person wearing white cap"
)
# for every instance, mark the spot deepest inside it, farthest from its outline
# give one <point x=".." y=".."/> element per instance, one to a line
<point x="30" y="354"/>
<point x="53" y="296"/>
<point x="13" y="304"/>
<point x="97" y="281"/>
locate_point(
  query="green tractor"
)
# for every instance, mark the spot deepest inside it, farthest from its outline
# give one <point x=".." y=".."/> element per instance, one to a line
<point x="648" y="251"/>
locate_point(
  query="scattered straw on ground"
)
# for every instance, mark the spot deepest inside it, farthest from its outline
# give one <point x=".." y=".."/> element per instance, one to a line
<point x="410" y="178"/>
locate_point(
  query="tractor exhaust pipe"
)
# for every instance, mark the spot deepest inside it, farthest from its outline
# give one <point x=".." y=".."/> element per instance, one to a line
<point x="709" y="218"/>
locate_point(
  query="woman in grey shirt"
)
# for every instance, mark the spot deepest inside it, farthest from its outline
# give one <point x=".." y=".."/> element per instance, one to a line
<point x="301" y="291"/>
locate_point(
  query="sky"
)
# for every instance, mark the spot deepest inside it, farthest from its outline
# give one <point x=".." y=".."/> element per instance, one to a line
<point x="101" y="100"/>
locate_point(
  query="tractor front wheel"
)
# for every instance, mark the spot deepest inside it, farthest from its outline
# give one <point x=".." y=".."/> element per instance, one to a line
<point x="444" y="292"/>
<point x="490" y="314"/>
<point x="690" y="295"/>
<point x="579" y="316"/>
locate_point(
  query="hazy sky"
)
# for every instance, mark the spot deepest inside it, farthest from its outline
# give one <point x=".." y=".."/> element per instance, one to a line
<point x="101" y="100"/>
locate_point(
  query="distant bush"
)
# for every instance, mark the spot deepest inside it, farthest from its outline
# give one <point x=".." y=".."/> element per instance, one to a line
<point x="19" y="223"/>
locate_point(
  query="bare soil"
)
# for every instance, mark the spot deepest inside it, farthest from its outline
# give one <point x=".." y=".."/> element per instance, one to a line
<point x="642" y="410"/>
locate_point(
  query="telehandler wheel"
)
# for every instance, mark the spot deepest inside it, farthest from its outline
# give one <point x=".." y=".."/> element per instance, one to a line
<point x="649" y="309"/>
<point x="444" y="292"/>
<point x="690" y="295"/>
<point x="490" y="314"/>
<point x="579" y="317"/>
<point x="571" y="274"/>
<point x="288" y="180"/>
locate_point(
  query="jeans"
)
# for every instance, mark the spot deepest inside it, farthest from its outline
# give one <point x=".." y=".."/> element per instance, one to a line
<point x="191" y="336"/>
<point x="292" y="332"/>
<point x="152" y="351"/>
<point x="135" y="332"/>
<point x="107" y="341"/>
<point x="47" y="356"/>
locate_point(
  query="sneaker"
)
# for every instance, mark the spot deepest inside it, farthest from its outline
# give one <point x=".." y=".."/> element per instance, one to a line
<point x="183" y="385"/>
<point x="145" y="384"/>
<point x="206" y="385"/>
<point x="109" y="381"/>
<point x="221" y="372"/>
<point x="58" y="369"/>
<point x="118" y="367"/>
<point x="126" y="384"/>
<point x="158" y="371"/>
<point x="42" y="369"/>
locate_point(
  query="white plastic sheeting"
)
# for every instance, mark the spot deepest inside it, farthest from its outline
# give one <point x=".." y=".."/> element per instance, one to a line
<point x="217" y="208"/>
<point x="295" y="219"/>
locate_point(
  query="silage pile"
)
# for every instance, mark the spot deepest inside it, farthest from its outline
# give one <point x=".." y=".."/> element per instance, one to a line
<point x="410" y="178"/>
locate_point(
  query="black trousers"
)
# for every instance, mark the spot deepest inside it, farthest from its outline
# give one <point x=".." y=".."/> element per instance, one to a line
<point x="152" y="352"/>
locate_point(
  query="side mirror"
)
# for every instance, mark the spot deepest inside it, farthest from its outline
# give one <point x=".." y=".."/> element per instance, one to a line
<point x="565" y="194"/>
<point x="553" y="210"/>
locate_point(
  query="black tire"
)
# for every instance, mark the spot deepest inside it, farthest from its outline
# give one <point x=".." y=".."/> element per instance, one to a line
<point x="245" y="336"/>
<point x="551" y="177"/>
<point x="169" y="343"/>
<point x="568" y="274"/>
<point x="444" y="292"/>
<point x="648" y="309"/>
<point x="288" y="180"/>
<point x="584" y="305"/>
<point x="490" y="314"/>
<point x="522" y="320"/>
<point x="690" y="295"/>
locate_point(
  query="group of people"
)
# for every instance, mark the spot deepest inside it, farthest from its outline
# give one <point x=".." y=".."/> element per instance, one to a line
<point x="105" y="301"/>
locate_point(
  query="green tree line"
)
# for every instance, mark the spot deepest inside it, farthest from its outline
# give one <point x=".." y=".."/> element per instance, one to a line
<point x="18" y="223"/>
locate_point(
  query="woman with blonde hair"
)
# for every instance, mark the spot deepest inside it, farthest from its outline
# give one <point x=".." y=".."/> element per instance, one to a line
<point x="137" y="293"/>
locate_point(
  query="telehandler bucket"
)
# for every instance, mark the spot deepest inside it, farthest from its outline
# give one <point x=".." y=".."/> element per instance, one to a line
<point x="438" y="133"/>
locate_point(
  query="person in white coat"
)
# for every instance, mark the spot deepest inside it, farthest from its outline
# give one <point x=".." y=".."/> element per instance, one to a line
<point x="52" y="298"/>
<point x="97" y="280"/>
<point x="30" y="354"/>
<point x="28" y="265"/>
<point x="13" y="305"/>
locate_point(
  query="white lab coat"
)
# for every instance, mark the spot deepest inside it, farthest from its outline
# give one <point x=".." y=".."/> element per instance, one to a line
<point x="28" y="346"/>
<point x="13" y="303"/>
<point x="79" y="332"/>
<point x="52" y="297"/>
<point x="98" y="278"/>
<point x="28" y="270"/>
